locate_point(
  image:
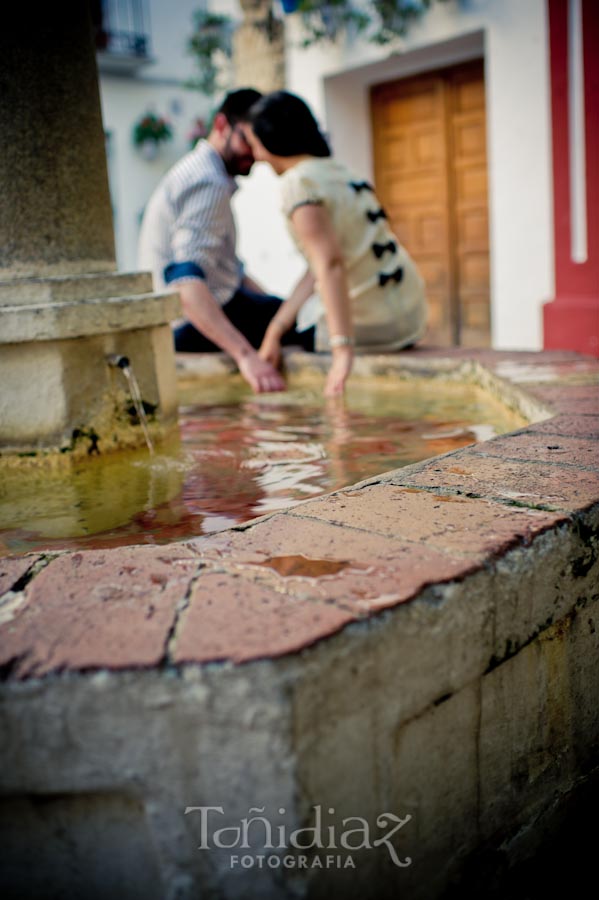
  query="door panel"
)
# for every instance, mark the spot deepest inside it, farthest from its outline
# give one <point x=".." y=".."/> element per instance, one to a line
<point x="431" y="175"/>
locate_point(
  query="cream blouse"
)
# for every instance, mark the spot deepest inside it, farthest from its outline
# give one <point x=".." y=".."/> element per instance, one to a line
<point x="385" y="288"/>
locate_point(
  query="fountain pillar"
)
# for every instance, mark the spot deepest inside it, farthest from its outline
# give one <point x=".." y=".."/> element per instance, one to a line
<point x="63" y="307"/>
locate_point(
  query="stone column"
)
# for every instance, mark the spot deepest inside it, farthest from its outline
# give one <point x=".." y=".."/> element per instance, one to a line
<point x="65" y="312"/>
<point x="55" y="215"/>
<point x="259" y="48"/>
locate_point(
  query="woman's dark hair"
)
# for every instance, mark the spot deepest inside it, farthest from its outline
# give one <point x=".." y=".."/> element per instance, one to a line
<point x="286" y="126"/>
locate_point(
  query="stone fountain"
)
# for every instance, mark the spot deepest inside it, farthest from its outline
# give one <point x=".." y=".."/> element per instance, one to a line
<point x="64" y="310"/>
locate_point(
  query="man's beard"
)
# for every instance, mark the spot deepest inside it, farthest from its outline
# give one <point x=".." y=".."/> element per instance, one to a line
<point x="238" y="163"/>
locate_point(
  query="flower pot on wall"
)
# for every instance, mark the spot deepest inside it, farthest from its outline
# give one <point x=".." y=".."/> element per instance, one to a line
<point x="149" y="133"/>
<point x="149" y="149"/>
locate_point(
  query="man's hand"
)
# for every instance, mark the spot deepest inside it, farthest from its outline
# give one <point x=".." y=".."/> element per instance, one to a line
<point x="341" y="366"/>
<point x="259" y="374"/>
<point x="204" y="312"/>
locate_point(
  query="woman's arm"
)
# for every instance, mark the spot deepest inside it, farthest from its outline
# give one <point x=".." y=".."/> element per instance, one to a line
<point x="315" y="232"/>
<point x="270" y="349"/>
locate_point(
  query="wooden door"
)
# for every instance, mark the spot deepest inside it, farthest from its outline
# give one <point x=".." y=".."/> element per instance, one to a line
<point x="431" y="176"/>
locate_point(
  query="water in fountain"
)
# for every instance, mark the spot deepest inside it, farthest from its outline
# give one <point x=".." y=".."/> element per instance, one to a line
<point x="238" y="455"/>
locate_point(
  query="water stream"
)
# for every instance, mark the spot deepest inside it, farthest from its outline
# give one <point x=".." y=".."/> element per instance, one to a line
<point x="117" y="361"/>
<point x="138" y="404"/>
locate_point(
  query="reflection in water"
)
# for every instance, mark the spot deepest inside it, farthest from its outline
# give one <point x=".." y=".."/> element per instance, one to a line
<point x="239" y="457"/>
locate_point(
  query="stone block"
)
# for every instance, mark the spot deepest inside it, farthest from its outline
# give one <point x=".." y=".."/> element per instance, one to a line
<point x="53" y="388"/>
<point x="537" y="447"/>
<point x="73" y="841"/>
<point x="80" y="318"/>
<point x="111" y="610"/>
<point x="527" y="753"/>
<point x="446" y="523"/>
<point x="436" y="783"/>
<point x="531" y="593"/>
<point x="569" y="426"/>
<point x="515" y="482"/>
<point x="569" y="399"/>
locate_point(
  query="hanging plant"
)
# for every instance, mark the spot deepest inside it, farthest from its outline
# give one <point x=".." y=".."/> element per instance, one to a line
<point x="149" y="132"/>
<point x="325" y="21"/>
<point x="212" y="36"/>
<point x="394" y="17"/>
<point x="382" y="20"/>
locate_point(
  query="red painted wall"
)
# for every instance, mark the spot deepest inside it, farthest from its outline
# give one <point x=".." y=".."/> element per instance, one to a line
<point x="571" y="320"/>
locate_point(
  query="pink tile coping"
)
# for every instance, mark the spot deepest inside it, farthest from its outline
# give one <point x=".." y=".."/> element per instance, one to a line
<point x="283" y="582"/>
<point x="97" y="609"/>
<point x="568" y="426"/>
<point x="506" y="480"/>
<point x="581" y="400"/>
<point x="532" y="446"/>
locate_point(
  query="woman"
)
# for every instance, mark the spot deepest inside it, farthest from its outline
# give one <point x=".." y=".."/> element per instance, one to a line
<point x="369" y="293"/>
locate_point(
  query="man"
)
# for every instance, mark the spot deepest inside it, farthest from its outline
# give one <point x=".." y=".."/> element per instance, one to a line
<point x="188" y="241"/>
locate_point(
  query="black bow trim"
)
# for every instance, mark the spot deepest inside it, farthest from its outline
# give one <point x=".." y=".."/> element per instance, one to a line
<point x="379" y="214"/>
<point x="392" y="276"/>
<point x="361" y="186"/>
<point x="379" y="249"/>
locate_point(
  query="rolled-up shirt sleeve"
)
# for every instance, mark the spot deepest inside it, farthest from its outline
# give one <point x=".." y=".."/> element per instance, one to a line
<point x="199" y="231"/>
<point x="188" y="230"/>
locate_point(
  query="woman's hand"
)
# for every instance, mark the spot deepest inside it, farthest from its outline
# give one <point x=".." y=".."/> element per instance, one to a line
<point x="316" y="234"/>
<point x="343" y="358"/>
<point x="270" y="348"/>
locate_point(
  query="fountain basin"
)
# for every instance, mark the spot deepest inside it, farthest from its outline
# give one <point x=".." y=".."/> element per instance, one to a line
<point x="238" y="456"/>
<point x="423" y="643"/>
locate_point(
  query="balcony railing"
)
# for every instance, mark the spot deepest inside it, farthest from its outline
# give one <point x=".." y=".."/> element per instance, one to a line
<point x="122" y="35"/>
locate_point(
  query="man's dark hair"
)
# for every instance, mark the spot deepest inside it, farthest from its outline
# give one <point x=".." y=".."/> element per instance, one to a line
<point x="236" y="104"/>
<point x="286" y="126"/>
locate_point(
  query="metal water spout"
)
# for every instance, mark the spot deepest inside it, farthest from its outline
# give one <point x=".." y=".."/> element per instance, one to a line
<point x="118" y="361"/>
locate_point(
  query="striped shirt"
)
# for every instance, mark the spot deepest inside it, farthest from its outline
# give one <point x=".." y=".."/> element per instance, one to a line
<point x="188" y="219"/>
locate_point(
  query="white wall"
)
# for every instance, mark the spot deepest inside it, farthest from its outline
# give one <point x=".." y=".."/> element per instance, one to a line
<point x="132" y="177"/>
<point x="158" y="87"/>
<point x="263" y="240"/>
<point x="171" y="25"/>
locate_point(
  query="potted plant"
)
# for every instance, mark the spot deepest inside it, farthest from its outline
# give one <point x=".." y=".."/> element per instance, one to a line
<point x="149" y="132"/>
